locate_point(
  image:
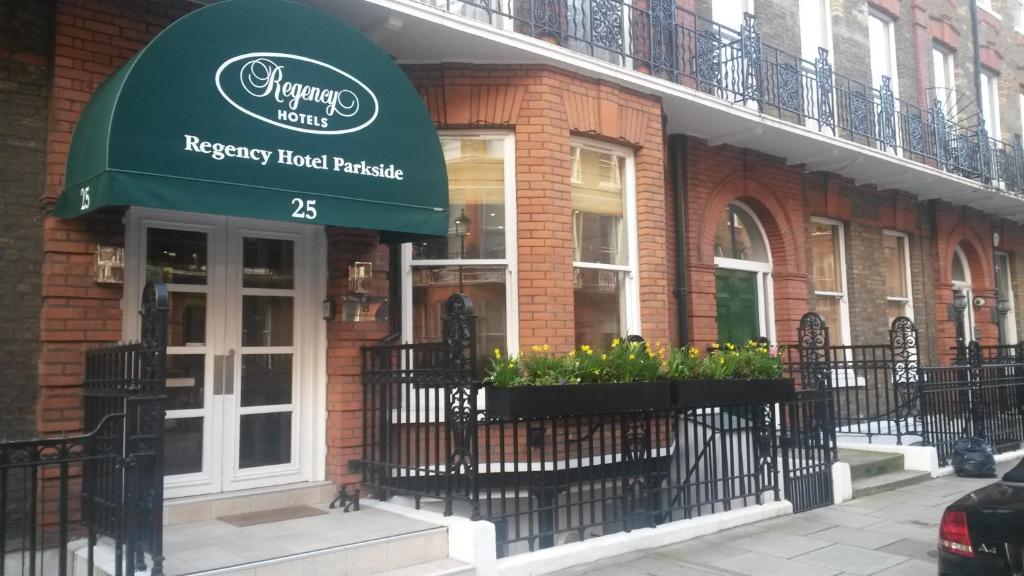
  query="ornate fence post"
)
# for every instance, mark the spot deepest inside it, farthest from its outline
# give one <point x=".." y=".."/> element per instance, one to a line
<point x="826" y="105"/>
<point x="1018" y="164"/>
<point x="984" y="157"/>
<point x="977" y="403"/>
<point x="664" y="51"/>
<point x="940" y="134"/>
<point x="816" y="374"/>
<point x="750" y="46"/>
<point x="887" y="116"/>
<point x="146" y="411"/>
<point x="903" y="346"/>
<point x="461" y="402"/>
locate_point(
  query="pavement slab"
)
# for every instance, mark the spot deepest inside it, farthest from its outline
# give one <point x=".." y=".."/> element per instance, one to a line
<point x="887" y="534"/>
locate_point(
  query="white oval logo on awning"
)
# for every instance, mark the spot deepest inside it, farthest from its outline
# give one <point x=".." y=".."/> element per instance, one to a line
<point x="296" y="93"/>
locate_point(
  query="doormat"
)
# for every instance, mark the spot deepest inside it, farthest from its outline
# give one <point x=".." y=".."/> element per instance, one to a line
<point x="267" y="516"/>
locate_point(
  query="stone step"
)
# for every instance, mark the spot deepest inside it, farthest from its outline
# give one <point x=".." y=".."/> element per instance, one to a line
<point x="422" y="553"/>
<point x="209" y="507"/>
<point x="446" y="567"/>
<point x="864" y="464"/>
<point x="890" y="481"/>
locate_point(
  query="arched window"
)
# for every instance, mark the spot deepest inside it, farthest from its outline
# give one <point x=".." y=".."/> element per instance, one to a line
<point x="743" y="286"/>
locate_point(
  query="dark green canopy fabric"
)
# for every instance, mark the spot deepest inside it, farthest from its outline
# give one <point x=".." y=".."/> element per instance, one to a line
<point x="266" y="109"/>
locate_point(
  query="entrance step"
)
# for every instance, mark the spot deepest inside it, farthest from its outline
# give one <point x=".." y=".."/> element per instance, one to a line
<point x="866" y="486"/>
<point x="864" y="464"/>
<point x="446" y="567"/>
<point x="210" y="507"/>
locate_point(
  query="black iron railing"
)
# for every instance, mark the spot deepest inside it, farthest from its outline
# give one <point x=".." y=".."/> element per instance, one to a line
<point x="660" y="38"/>
<point x="575" y="475"/>
<point x="973" y="398"/>
<point x="107" y="482"/>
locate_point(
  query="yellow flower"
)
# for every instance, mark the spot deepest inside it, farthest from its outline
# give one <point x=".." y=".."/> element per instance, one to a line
<point x="497" y="354"/>
<point x="730" y="346"/>
<point x="545" y="347"/>
<point x="616" y="342"/>
<point x="535" y="348"/>
<point x="572" y="354"/>
<point x="714" y="346"/>
<point x="604" y="356"/>
<point x="632" y="356"/>
<point x="721" y="359"/>
<point x="693" y="352"/>
<point x="597" y="372"/>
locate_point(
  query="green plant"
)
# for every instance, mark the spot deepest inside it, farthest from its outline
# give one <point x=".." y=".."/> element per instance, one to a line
<point x="631" y="362"/>
<point x="504" y="372"/>
<point x="542" y="368"/>
<point x="682" y="363"/>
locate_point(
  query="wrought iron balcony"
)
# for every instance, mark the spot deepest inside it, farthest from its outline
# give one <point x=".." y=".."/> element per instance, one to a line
<point x="659" y="38"/>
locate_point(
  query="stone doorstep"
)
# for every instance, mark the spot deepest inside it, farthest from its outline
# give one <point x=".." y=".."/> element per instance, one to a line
<point x="865" y="464"/>
<point x="209" y="507"/>
<point x="885" y="482"/>
<point x="416" y="554"/>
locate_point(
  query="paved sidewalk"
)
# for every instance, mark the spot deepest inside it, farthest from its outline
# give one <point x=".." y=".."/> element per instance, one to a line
<point x="887" y="534"/>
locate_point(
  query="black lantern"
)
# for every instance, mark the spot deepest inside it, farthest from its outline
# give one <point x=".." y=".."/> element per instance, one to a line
<point x="960" y="300"/>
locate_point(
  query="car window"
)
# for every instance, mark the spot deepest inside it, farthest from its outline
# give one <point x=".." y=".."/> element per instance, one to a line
<point x="1016" y="474"/>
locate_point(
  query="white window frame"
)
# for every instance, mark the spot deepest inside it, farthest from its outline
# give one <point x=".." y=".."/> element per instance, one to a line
<point x="510" y="261"/>
<point x="990" y="88"/>
<point x="811" y="54"/>
<point x="632" y="323"/>
<point x="842" y="297"/>
<point x="1020" y="104"/>
<point x="943" y="58"/>
<point x="1011" y="316"/>
<point x="876" y="80"/>
<point x="986" y="5"/>
<point x="765" y="284"/>
<point x="908" y="302"/>
<point x="967" y="286"/>
<point x="1018" y="23"/>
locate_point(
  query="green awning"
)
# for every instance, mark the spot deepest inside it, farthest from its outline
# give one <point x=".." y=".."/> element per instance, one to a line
<point x="266" y="109"/>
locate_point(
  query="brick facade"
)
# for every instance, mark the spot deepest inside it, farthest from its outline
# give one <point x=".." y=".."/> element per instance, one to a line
<point x="26" y="45"/>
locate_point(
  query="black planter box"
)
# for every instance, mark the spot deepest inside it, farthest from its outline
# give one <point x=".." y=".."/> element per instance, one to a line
<point x="577" y="399"/>
<point x="708" y="393"/>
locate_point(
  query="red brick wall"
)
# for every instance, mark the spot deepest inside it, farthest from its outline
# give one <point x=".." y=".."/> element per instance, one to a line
<point x="92" y="39"/>
<point x="720" y="175"/>
<point x="545" y="108"/>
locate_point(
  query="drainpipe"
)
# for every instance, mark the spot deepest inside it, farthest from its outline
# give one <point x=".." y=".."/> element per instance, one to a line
<point x="977" y="59"/>
<point x="677" y="157"/>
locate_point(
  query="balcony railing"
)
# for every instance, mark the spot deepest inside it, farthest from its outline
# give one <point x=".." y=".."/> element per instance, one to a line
<point x="659" y="38"/>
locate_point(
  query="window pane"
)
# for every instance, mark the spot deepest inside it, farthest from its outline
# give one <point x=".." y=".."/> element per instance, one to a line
<point x="183" y="445"/>
<point x="267" y="321"/>
<point x="484" y="285"/>
<point x="186" y="319"/>
<point x="827" y="262"/>
<point x="185" y="381"/>
<point x="739" y="237"/>
<point x="959" y="268"/>
<point x="828" y="308"/>
<point x="268" y="263"/>
<point x="264" y="439"/>
<point x="895" y="266"/>
<point x="176" y="256"/>
<point x="599" y="306"/>
<point x="476" y="193"/>
<point x="895" y="309"/>
<point x="266" y="379"/>
<point x="599" y="233"/>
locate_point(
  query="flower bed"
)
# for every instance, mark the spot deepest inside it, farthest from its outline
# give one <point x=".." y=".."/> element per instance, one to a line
<point x="557" y="401"/>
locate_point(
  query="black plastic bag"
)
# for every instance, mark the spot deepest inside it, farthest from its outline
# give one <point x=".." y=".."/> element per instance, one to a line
<point x="973" y="458"/>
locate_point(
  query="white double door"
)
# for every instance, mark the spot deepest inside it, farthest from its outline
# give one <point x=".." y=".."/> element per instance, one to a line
<point x="244" y="346"/>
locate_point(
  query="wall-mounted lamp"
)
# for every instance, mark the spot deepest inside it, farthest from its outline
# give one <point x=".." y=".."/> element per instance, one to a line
<point x="960" y="301"/>
<point x="359" y="276"/>
<point x="995" y="239"/>
<point x="109" y="265"/>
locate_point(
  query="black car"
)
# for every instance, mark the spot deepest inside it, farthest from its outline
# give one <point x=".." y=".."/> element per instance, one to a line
<point x="982" y="533"/>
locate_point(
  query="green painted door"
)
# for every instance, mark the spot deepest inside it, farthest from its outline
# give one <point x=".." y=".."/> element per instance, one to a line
<point x="738" y="313"/>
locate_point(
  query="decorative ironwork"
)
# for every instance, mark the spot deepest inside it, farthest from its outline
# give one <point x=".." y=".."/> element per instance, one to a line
<point x="823" y="77"/>
<point x="886" y="115"/>
<point x="903" y="340"/>
<point x="708" y="60"/>
<point x="750" y="42"/>
<point x="938" y="113"/>
<point x="916" y="129"/>
<point x="789" y="88"/>
<point x="548" y="17"/>
<point x="1017" y="172"/>
<point x="964" y="155"/>
<point x="606" y="23"/>
<point x="460" y="411"/>
<point x="664" y="53"/>
<point x="812" y="338"/>
<point x="983" y="151"/>
<point x="860" y="114"/>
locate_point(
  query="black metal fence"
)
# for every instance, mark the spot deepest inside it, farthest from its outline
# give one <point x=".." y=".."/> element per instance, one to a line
<point x="660" y="38"/>
<point x="882" y="390"/>
<point x="107" y="482"/>
<point x="551" y="480"/>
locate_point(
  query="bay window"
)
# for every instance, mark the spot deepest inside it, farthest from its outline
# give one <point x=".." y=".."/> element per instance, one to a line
<point x="477" y="258"/>
<point x="604" y="246"/>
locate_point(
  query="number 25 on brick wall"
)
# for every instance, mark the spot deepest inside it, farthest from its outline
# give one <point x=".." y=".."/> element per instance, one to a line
<point x="85" y="197"/>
